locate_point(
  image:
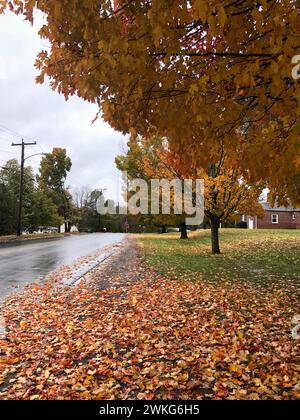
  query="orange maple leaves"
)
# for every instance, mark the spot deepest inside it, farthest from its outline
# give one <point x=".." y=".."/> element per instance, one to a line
<point x="156" y="338"/>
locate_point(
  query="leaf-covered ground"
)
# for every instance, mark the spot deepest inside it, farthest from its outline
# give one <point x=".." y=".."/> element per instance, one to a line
<point x="131" y="333"/>
<point x="262" y="257"/>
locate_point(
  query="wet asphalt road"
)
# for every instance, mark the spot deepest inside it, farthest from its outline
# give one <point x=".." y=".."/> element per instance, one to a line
<point x="27" y="262"/>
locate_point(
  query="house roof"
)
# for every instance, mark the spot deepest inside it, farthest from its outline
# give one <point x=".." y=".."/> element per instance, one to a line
<point x="267" y="207"/>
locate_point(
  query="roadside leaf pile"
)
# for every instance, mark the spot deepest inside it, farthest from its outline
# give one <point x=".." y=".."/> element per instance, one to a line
<point x="149" y="339"/>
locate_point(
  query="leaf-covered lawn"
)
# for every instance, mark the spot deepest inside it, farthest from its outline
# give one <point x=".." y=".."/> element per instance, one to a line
<point x="154" y="337"/>
<point x="262" y="257"/>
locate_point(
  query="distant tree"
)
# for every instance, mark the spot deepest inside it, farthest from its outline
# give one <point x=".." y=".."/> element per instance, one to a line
<point x="81" y="196"/>
<point x="52" y="177"/>
<point x="9" y="195"/>
<point x="88" y="217"/>
<point x="38" y="208"/>
<point x="141" y="161"/>
<point x="7" y="210"/>
<point x="89" y="220"/>
<point x="42" y="212"/>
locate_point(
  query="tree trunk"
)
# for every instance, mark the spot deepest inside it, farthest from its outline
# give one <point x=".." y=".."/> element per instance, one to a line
<point x="183" y="229"/>
<point x="164" y="229"/>
<point x="215" y="242"/>
<point x="68" y="226"/>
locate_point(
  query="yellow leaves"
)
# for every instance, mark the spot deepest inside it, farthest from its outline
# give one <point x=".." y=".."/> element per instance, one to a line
<point x="297" y="161"/>
<point x="57" y="10"/>
<point x="69" y="328"/>
<point x="133" y="132"/>
<point x="241" y="336"/>
<point x="106" y="111"/>
<point x="201" y="10"/>
<point x="234" y="368"/>
<point x="222" y="16"/>
<point x="158" y="34"/>
<point x="134" y="301"/>
<point x="274" y="67"/>
<point x="193" y="89"/>
<point x="40" y="79"/>
<point x="261" y="386"/>
<point x="144" y="83"/>
<point x="295" y="131"/>
<point x="79" y="344"/>
<point x="89" y="323"/>
<point x="176" y="333"/>
<point x="108" y="346"/>
<point x="264" y="4"/>
<point x="203" y="81"/>
<point x="183" y="378"/>
<point x="23" y="324"/>
<point x="3" y="5"/>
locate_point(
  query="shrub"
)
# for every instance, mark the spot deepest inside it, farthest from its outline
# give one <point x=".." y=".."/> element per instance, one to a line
<point x="241" y="225"/>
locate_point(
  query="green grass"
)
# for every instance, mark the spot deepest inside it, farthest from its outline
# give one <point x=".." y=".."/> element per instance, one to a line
<point x="265" y="257"/>
<point x="29" y="237"/>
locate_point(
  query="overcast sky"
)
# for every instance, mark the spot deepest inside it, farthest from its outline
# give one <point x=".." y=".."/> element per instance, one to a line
<point x="40" y="114"/>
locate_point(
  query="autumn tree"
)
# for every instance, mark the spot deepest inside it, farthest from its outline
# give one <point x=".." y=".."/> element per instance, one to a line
<point x="142" y="161"/>
<point x="184" y="67"/>
<point x="227" y="194"/>
<point x="53" y="170"/>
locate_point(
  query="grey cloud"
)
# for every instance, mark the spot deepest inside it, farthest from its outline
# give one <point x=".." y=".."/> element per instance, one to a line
<point x="37" y="112"/>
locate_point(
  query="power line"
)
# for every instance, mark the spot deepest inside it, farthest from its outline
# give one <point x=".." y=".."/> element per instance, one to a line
<point x="10" y="131"/>
<point x="22" y="145"/>
<point x="13" y="133"/>
<point x="7" y="151"/>
<point x="5" y="138"/>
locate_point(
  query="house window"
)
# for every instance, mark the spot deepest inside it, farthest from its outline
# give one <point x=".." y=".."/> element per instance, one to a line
<point x="275" y="218"/>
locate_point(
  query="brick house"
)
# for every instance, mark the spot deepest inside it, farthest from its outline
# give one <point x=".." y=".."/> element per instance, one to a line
<point x="275" y="218"/>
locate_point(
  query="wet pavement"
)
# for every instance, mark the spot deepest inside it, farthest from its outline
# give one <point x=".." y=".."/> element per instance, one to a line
<point x="28" y="262"/>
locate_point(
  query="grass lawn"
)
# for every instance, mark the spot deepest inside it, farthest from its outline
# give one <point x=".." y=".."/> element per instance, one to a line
<point x="32" y="237"/>
<point x="264" y="256"/>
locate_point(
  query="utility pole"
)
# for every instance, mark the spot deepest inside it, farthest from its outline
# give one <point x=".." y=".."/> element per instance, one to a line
<point x="21" y="191"/>
<point x="102" y="190"/>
